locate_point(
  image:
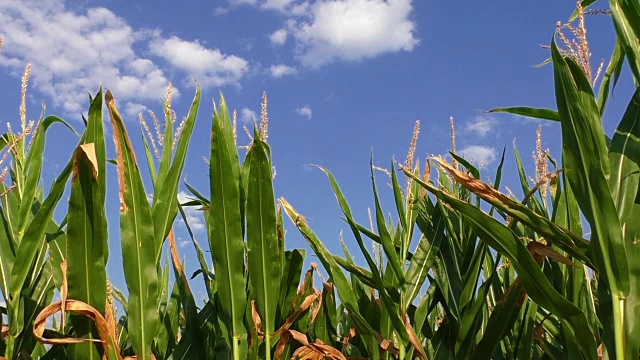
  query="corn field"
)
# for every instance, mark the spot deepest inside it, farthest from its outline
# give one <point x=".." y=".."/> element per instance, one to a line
<point x="461" y="270"/>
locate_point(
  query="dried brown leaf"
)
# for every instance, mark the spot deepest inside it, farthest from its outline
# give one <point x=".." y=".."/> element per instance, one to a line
<point x="257" y="321"/>
<point x="75" y="307"/>
<point x="413" y="339"/>
<point x="540" y="251"/>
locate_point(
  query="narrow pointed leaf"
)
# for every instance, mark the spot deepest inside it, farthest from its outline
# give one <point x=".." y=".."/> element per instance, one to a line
<point x="225" y="229"/>
<point x="264" y="258"/>
<point x="137" y="238"/>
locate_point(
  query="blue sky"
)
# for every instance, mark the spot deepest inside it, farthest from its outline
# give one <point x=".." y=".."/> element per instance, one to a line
<point x="343" y="77"/>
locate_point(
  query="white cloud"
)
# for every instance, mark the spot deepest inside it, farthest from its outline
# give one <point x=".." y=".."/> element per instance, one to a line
<point x="194" y="216"/>
<point x="247" y="115"/>
<point x="243" y="2"/>
<point x="280" y="5"/>
<point x="183" y="243"/>
<point x="480" y="125"/>
<point x="73" y="53"/>
<point x="353" y="30"/>
<point x="220" y="11"/>
<point x="279" y="37"/>
<point x="305" y="111"/>
<point x="208" y="66"/>
<point x="132" y="109"/>
<point x="478" y="154"/>
<point x="281" y="70"/>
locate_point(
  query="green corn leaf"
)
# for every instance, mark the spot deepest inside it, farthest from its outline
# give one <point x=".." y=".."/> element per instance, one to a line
<point x="535" y="283"/>
<point x="566" y="240"/>
<point x="293" y="263"/>
<point x="624" y="156"/>
<point x="584" y="4"/>
<point x="587" y="167"/>
<point x="387" y="242"/>
<point x="385" y="238"/>
<point x="613" y="70"/>
<point x="137" y="238"/>
<point x="86" y="241"/>
<point x="150" y="158"/>
<point x="345" y="292"/>
<point x="263" y="255"/>
<point x="501" y="320"/>
<point x="432" y="226"/>
<point x="472" y="169"/>
<point x="33" y="170"/>
<point x="527" y="328"/>
<point x="626" y="18"/>
<point x="632" y="324"/>
<point x="165" y="200"/>
<point x="544" y="114"/>
<point x="204" y="267"/>
<point x="32" y="242"/>
<point x="398" y="198"/>
<point x="38" y="295"/>
<point x="471" y="321"/>
<point x="225" y="229"/>
<point x="7" y="249"/>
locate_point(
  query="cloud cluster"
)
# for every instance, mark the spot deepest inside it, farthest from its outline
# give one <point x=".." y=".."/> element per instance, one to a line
<point x="247" y="115"/>
<point x="194" y="216"/>
<point x="305" y="111"/>
<point x="208" y="66"/>
<point x="279" y="37"/>
<point x="281" y="70"/>
<point x="342" y="30"/>
<point x="480" y="126"/>
<point x="73" y="51"/>
<point x="478" y="154"/>
<point x="353" y="30"/>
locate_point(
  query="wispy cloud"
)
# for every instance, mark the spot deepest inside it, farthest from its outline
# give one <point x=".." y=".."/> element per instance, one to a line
<point x="281" y="70"/>
<point x="279" y="37"/>
<point x="194" y="216"/>
<point x="480" y="126"/>
<point x="305" y="111"/>
<point x="209" y="66"/>
<point x="247" y="115"/>
<point x="342" y="30"/>
<point x="478" y="154"/>
<point x="73" y="51"/>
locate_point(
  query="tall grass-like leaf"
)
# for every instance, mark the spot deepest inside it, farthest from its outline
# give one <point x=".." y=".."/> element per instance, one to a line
<point x="33" y="171"/>
<point x="387" y="242"/>
<point x="86" y="238"/>
<point x="225" y="229"/>
<point x="31" y="244"/>
<point x="432" y="226"/>
<point x="624" y="156"/>
<point x="544" y="114"/>
<point x="263" y="255"/>
<point x="345" y="292"/>
<point x="613" y="70"/>
<point x="165" y="203"/>
<point x="632" y="236"/>
<point x="385" y="239"/>
<point x="587" y="168"/>
<point x="534" y="281"/>
<point x="138" y="242"/>
<point x="626" y="18"/>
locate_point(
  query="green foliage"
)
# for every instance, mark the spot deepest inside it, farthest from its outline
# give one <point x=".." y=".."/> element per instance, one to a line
<point x="460" y="270"/>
